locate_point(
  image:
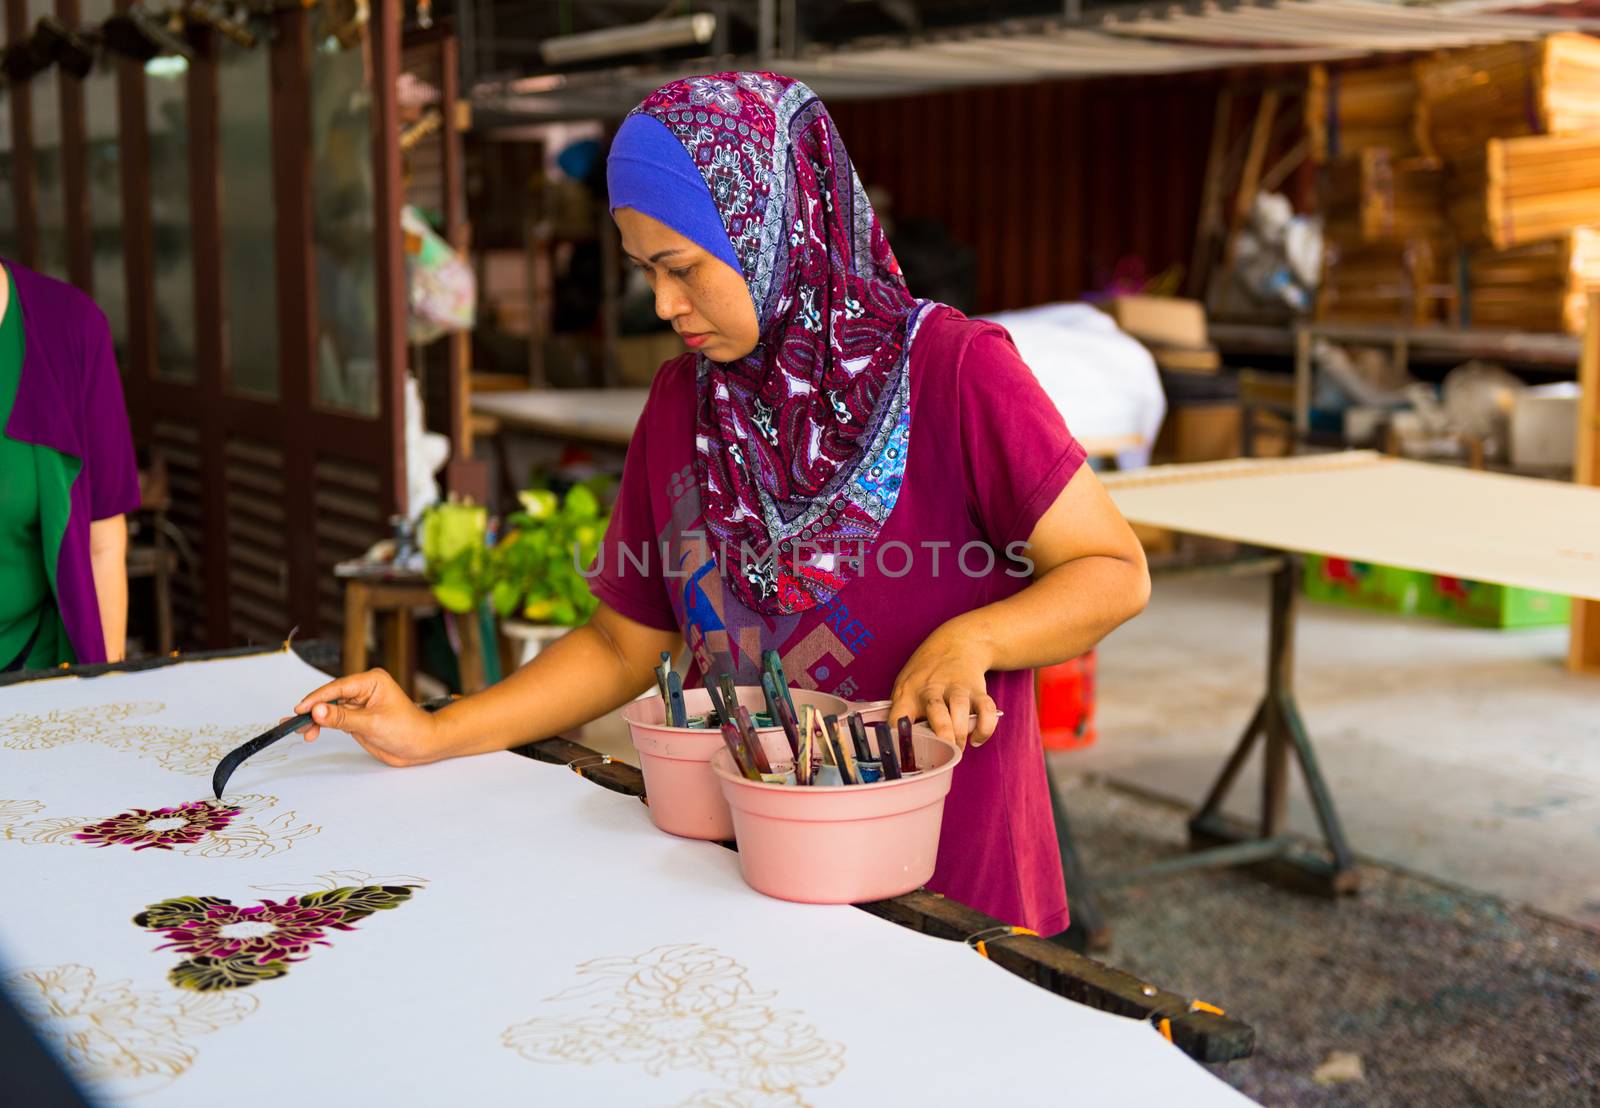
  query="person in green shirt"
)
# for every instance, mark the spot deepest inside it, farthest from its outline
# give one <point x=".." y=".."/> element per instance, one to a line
<point x="67" y="478"/>
<point x="30" y="628"/>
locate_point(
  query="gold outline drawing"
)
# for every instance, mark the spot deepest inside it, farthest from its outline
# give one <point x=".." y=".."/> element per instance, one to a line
<point x="192" y="750"/>
<point x="685" y="1006"/>
<point x="122" y="1040"/>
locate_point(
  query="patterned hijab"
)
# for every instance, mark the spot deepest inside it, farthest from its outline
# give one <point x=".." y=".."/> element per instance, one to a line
<point x="804" y="439"/>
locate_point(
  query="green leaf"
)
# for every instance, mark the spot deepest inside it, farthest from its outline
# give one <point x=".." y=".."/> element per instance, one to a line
<point x="358" y="902"/>
<point x="177" y="911"/>
<point x="454" y="596"/>
<point x="206" y="974"/>
<point x="538" y="503"/>
<point x="581" y="504"/>
<point x="504" y="596"/>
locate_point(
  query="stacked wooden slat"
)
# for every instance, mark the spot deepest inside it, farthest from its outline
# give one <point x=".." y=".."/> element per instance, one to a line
<point x="1348" y="111"/>
<point x="1482" y="205"/>
<point x="1517" y="127"/>
<point x="1467" y="97"/>
<point x="1381" y="282"/>
<point x="1381" y="205"/>
<point x="1374" y="197"/>
<point x="1522" y="190"/>
<point x="1541" y="286"/>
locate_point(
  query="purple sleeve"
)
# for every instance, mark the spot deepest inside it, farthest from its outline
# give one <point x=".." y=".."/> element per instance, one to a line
<point x="638" y="593"/>
<point x="109" y="462"/>
<point x="1019" y="453"/>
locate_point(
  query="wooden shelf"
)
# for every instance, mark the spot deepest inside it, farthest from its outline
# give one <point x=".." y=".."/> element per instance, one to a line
<point x="1425" y="344"/>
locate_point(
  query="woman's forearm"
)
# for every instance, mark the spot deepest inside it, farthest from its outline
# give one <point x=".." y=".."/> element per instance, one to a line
<point x="108" y="560"/>
<point x="586" y="673"/>
<point x="1061" y="615"/>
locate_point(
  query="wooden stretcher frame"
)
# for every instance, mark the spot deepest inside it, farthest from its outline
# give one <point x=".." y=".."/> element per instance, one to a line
<point x="1206" y="1036"/>
<point x="1266" y="515"/>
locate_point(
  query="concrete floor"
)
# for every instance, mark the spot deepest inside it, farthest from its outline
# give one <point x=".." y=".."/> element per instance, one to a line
<point x="1467" y="755"/>
<point x="1447" y="997"/>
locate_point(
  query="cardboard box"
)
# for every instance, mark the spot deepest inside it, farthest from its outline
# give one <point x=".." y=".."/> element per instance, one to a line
<point x="1199" y="433"/>
<point x="1161" y="320"/>
<point x="1183" y="359"/>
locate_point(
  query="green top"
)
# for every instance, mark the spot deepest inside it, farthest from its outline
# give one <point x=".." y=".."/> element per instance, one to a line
<point x="27" y="604"/>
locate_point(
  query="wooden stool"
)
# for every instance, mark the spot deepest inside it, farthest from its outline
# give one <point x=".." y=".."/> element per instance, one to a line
<point x="397" y="602"/>
<point x="149" y="552"/>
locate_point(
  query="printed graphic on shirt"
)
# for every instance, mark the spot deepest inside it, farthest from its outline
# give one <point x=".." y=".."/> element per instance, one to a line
<point x="816" y="647"/>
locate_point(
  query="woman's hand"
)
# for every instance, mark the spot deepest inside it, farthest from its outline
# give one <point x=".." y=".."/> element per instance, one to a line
<point x="943" y="683"/>
<point x="375" y="712"/>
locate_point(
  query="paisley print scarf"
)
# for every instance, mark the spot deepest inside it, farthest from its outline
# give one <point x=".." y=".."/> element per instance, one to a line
<point x="800" y="446"/>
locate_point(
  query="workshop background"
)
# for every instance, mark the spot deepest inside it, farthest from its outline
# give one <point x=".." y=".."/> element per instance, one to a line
<point x="357" y="261"/>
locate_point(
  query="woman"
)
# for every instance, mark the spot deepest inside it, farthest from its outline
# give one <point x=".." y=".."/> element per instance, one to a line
<point x="935" y="533"/>
<point x="67" y="478"/>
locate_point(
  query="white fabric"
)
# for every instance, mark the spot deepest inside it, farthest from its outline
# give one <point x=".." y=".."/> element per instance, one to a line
<point x="1479" y="526"/>
<point x="527" y="872"/>
<point x="1103" y="381"/>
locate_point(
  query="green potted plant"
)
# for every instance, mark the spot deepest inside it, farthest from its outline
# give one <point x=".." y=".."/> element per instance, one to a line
<point x="537" y="564"/>
<point x="533" y="571"/>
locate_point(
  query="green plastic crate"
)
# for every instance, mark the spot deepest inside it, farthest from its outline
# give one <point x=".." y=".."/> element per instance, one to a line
<point x="1485" y="605"/>
<point x="1411" y="592"/>
<point x="1363" y="585"/>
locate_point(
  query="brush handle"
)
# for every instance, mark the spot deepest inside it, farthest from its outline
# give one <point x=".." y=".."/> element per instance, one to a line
<point x="237" y="757"/>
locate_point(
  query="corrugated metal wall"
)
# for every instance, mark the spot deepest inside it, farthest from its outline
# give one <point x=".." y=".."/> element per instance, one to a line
<point x="1050" y="184"/>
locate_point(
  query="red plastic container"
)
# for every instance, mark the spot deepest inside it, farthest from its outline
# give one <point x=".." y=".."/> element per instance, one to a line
<point x="1066" y="703"/>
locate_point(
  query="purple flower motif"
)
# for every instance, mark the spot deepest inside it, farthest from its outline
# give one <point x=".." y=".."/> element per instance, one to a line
<point x="714" y="93"/>
<point x="162" y="828"/>
<point x="762" y="85"/>
<point x="267" y="932"/>
<point x="230" y="947"/>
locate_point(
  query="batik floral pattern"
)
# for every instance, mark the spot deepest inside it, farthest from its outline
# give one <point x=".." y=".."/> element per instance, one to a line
<point x="233" y="947"/>
<point x="121" y="1040"/>
<point x="200" y="828"/>
<point x="161" y="829"/>
<point x="193" y="751"/>
<point x="685" y="1007"/>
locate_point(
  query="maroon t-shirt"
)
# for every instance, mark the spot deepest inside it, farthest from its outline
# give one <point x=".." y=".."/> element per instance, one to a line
<point x="988" y="455"/>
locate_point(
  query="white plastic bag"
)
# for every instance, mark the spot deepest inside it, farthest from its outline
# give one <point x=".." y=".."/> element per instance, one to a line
<point x="441" y="290"/>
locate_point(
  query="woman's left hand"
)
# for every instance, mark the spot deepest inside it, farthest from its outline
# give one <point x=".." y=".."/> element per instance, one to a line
<point x="943" y="684"/>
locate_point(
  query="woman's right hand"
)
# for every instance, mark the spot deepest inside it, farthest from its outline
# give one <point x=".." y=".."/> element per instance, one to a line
<point x="377" y="713"/>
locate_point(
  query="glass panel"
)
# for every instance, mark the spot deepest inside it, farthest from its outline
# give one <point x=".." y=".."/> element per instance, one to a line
<point x="343" y="240"/>
<point x="249" y="264"/>
<point x="167" y="117"/>
<point x="45" y="89"/>
<point x="105" y="190"/>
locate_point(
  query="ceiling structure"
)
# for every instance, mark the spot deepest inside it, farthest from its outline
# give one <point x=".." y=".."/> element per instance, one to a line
<point x="562" y="60"/>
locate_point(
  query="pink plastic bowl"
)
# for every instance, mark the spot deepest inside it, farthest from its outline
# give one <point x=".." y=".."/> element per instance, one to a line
<point x="841" y="844"/>
<point x="683" y="794"/>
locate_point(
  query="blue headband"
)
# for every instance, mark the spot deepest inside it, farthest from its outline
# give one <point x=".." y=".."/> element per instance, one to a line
<point x="650" y="171"/>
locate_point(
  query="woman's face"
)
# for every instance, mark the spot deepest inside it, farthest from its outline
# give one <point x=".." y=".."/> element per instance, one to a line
<point x="705" y="300"/>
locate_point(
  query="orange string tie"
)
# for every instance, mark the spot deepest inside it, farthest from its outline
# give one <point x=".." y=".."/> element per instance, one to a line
<point x="1165" y="1027"/>
<point x="578" y="765"/>
<point x="980" y="940"/>
<point x="1202" y="1006"/>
